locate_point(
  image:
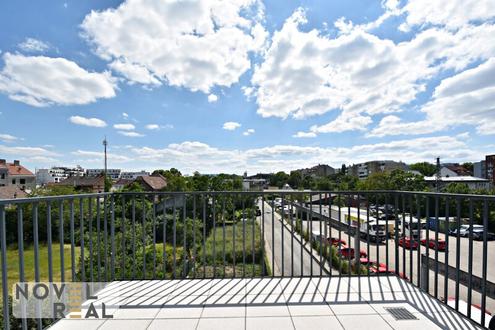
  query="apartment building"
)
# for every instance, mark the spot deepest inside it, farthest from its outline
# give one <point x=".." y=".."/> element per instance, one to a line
<point x="320" y="170"/>
<point x="133" y="175"/>
<point x="57" y="174"/>
<point x="112" y="173"/>
<point x="490" y="168"/>
<point x="363" y="170"/>
<point x="479" y="169"/>
<point x="14" y="174"/>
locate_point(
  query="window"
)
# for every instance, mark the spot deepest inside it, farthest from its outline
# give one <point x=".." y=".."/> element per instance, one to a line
<point x="2" y="176"/>
<point x="23" y="181"/>
<point x="13" y="181"/>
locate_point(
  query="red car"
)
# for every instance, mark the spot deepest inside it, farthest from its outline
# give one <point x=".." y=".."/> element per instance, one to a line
<point x="380" y="268"/>
<point x="408" y="243"/>
<point x="432" y="244"/>
<point x="336" y="241"/>
<point x="347" y="252"/>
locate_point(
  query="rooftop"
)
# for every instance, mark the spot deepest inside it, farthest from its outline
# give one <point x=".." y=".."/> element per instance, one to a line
<point x="270" y="303"/>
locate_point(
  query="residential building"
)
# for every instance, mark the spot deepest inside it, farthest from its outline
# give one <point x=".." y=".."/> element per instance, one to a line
<point x="254" y="184"/>
<point x="85" y="183"/>
<point x="120" y="184"/>
<point x="320" y="170"/>
<point x="154" y="182"/>
<point x="14" y="174"/>
<point x="471" y="181"/>
<point x="448" y="170"/>
<point x="363" y="170"/>
<point x="133" y="175"/>
<point x="479" y="169"/>
<point x="490" y="168"/>
<point x="112" y="173"/>
<point x="57" y="174"/>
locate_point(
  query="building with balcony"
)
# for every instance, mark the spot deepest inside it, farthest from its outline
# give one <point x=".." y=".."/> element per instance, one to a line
<point x="363" y="170"/>
<point x="133" y="175"/>
<point x="57" y="174"/>
<point x="112" y="173"/>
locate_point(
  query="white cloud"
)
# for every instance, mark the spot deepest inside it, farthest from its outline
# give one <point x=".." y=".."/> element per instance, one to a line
<point x="212" y="98"/>
<point x="450" y="13"/>
<point x="307" y="73"/>
<point x="231" y="125"/>
<point x="192" y="44"/>
<point x="8" y="138"/>
<point x="99" y="156"/>
<point x="130" y="134"/>
<point x="26" y="151"/>
<point x="124" y="127"/>
<point x="248" y="132"/>
<point x="187" y="155"/>
<point x="33" y="45"/>
<point x="125" y="115"/>
<point x="92" y="122"/>
<point x="153" y="127"/>
<point x="43" y="81"/>
<point x="304" y="135"/>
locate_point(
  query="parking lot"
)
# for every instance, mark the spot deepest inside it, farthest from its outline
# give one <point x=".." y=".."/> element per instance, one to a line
<point x="385" y="253"/>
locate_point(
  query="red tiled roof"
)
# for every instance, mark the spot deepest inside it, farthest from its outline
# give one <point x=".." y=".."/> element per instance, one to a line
<point x="18" y="170"/>
<point x="10" y="192"/>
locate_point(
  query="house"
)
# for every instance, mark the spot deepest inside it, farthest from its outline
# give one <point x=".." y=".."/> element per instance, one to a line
<point x="318" y="171"/>
<point x="14" y="174"/>
<point x="471" y="181"/>
<point x="12" y="192"/>
<point x="120" y="184"/>
<point x="154" y="182"/>
<point x="254" y="184"/>
<point x="363" y="170"/>
<point x="85" y="183"/>
<point x="449" y="170"/>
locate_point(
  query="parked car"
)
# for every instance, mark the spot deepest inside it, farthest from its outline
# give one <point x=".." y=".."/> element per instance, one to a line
<point x="433" y="244"/>
<point x="478" y="234"/>
<point x="408" y="243"/>
<point x="380" y="268"/>
<point x="336" y="241"/>
<point x="477" y="230"/>
<point x="347" y="252"/>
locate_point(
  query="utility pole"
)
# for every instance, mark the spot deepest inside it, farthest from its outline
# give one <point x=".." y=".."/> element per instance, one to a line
<point x="105" y="143"/>
<point x="437" y="176"/>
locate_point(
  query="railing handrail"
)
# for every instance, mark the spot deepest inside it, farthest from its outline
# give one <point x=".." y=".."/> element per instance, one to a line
<point x="231" y="192"/>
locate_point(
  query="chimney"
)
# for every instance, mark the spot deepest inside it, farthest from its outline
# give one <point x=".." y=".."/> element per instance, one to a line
<point x="16" y="163"/>
<point x="2" y="161"/>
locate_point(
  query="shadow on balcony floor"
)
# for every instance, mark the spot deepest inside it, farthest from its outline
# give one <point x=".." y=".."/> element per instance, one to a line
<point x="270" y="303"/>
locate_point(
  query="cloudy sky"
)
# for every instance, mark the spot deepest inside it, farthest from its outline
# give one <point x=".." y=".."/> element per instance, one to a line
<point x="250" y="85"/>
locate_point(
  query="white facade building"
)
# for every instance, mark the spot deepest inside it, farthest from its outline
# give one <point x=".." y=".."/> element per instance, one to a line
<point x="112" y="173"/>
<point x="57" y="174"/>
<point x="133" y="175"/>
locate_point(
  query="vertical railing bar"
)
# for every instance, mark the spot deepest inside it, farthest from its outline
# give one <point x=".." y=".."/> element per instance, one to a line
<point x="470" y="258"/>
<point x="377" y="201"/>
<point x="485" y="261"/>
<point x="387" y="216"/>
<point x="321" y="235"/>
<point x="349" y="227"/>
<point x="403" y="235"/>
<point x="446" y="256"/>
<point x="214" y="236"/>
<point x="174" y="237"/>
<point x="437" y="201"/>
<point x="49" y="240"/>
<point x="164" y="234"/>
<point x="223" y="234"/>
<point x="253" y="212"/>
<point x="410" y="235"/>
<point x="112" y="237"/>
<point x="262" y="220"/>
<point x="419" y="238"/>
<point x="377" y="238"/>
<point x="330" y="246"/>
<point x="81" y="233"/>
<point x="273" y="235"/>
<point x="243" y="238"/>
<point x="61" y="239"/>
<point x="124" y="251"/>
<point x="357" y="239"/>
<point x="427" y="247"/>
<point x="143" y="230"/>
<point x="234" y="225"/>
<point x="133" y="224"/>
<point x="194" y="236"/>
<point x="153" y="199"/>
<point x="282" y="229"/>
<point x="184" y="238"/>
<point x="90" y="224"/>
<point x="418" y="215"/>
<point x="105" y="237"/>
<point x="5" y="292"/>
<point x="204" y="235"/>
<point x="292" y="235"/>
<point x="340" y="245"/>
<point x="72" y="243"/>
<point x="301" y="210"/>
<point x="36" y="259"/>
<point x="458" y="252"/>
<point x="98" y="238"/>
<point x="20" y="247"/>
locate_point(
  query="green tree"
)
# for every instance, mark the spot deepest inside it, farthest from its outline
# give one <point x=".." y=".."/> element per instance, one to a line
<point x="425" y="168"/>
<point x="295" y="179"/>
<point x="457" y="188"/>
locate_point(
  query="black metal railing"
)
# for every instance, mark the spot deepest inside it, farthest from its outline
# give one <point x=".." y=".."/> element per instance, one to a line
<point x="428" y="239"/>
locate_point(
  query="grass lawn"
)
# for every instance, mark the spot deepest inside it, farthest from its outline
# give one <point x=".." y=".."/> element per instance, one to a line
<point x="13" y="263"/>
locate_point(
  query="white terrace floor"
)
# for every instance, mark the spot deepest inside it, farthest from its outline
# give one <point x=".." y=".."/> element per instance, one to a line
<point x="297" y="303"/>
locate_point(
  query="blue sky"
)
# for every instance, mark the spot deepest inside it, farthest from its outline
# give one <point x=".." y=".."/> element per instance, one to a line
<point x="252" y="85"/>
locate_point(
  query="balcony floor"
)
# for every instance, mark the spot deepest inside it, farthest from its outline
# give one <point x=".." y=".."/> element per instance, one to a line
<point x="270" y="303"/>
